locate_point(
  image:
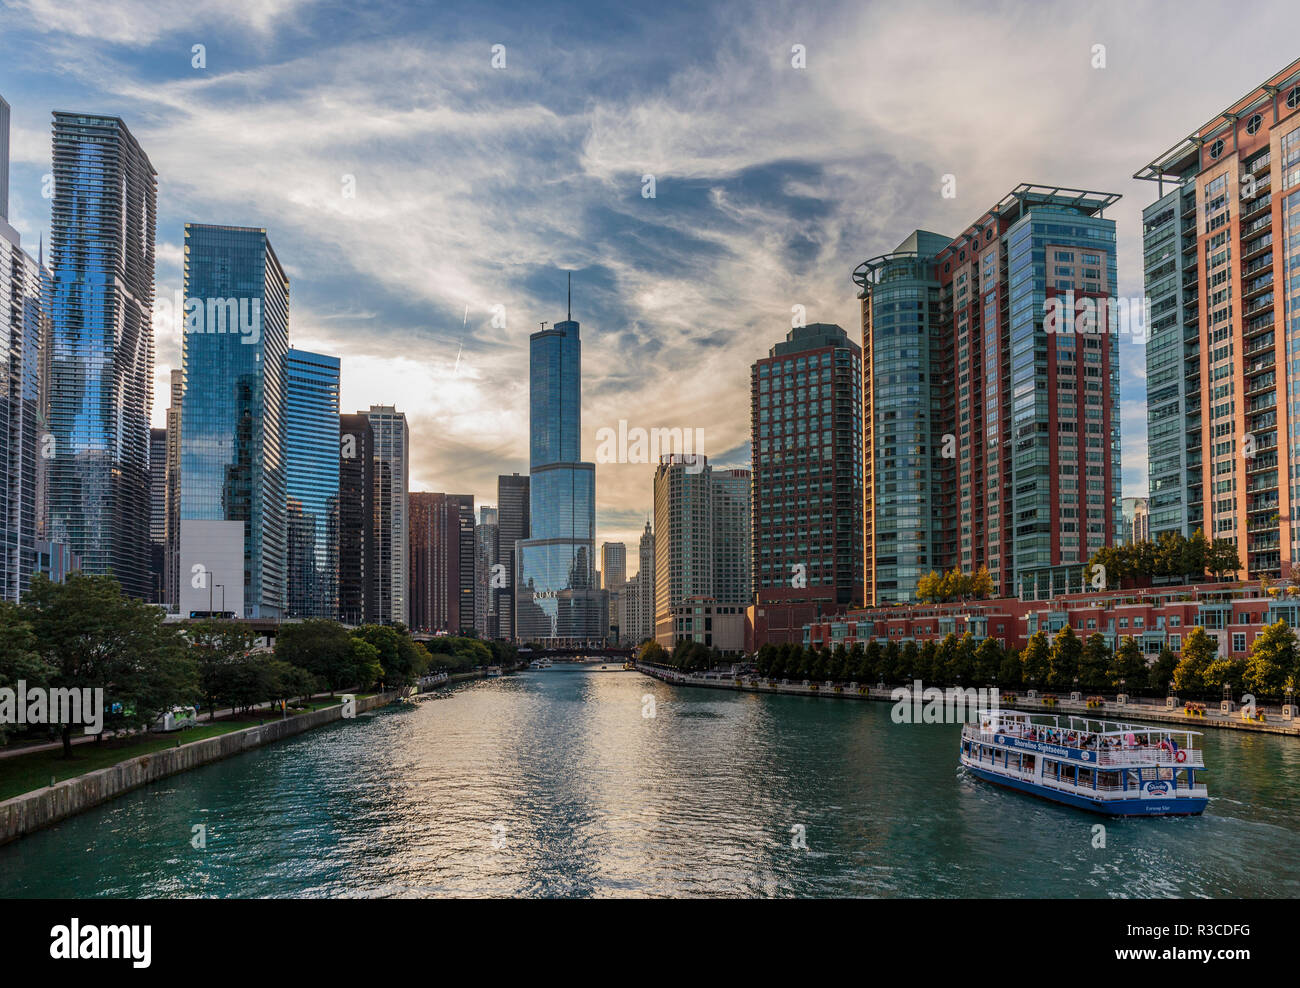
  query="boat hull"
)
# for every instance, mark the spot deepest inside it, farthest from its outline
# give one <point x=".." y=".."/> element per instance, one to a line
<point x="1189" y="806"/>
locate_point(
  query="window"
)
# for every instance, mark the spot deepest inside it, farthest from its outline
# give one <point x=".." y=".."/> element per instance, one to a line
<point x="1293" y="98"/>
<point x="1239" y="641"/>
<point x="1252" y="125"/>
<point x="1216" y="149"/>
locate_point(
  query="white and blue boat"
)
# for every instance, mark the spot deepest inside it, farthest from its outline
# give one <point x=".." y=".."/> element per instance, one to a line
<point x="1103" y="766"/>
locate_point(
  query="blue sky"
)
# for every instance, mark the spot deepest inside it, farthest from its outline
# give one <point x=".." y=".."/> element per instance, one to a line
<point x="478" y="186"/>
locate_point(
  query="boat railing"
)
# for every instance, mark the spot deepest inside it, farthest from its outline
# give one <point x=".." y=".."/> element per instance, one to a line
<point x="1120" y="757"/>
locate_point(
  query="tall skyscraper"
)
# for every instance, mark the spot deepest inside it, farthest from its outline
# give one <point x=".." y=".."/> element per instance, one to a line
<point x="613" y="563"/>
<point x="1014" y="462"/>
<point x="442" y="563"/>
<point x="486" y="540"/>
<point x="101" y="373"/>
<point x="512" y="516"/>
<point x="358" y="564"/>
<point x="233" y="519"/>
<point x="1137" y="516"/>
<point x="556" y="595"/>
<point x="392" y="531"/>
<point x="806" y="420"/>
<point x="701" y="539"/>
<point x="23" y="324"/>
<point x="312" y="482"/>
<point x="645" y="604"/>
<point x="172" y="532"/>
<point x="158" y="516"/>
<point x="1221" y="251"/>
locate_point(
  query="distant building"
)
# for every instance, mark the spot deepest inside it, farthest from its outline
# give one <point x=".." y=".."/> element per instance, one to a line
<point x="556" y="596"/>
<point x="513" y="521"/>
<point x="644" y="628"/>
<point x="312" y="482"/>
<point x="486" y="533"/>
<point x="358" y="585"/>
<point x="172" y="494"/>
<point x="701" y="541"/>
<point x="158" y="515"/>
<point x="392" y="523"/>
<point x="442" y="563"/>
<point x="1137" y="526"/>
<point x="613" y="569"/>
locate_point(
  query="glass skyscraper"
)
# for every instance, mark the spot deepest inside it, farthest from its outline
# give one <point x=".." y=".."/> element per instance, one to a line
<point x="312" y="482"/>
<point x="22" y="323"/>
<point x="233" y="464"/>
<point x="556" y="595"/>
<point x="101" y="370"/>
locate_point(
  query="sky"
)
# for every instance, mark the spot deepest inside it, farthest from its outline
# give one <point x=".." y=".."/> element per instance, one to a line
<point x="429" y="173"/>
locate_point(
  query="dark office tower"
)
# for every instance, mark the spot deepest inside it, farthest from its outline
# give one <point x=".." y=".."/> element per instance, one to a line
<point x="312" y="482"/>
<point x="442" y="563"/>
<point x="1008" y="330"/>
<point x="391" y="579"/>
<point x="101" y="376"/>
<point x="512" y="514"/>
<point x="806" y="419"/>
<point x="158" y="515"/>
<point x="236" y="342"/>
<point x="556" y="594"/>
<point x="172" y="554"/>
<point x="485" y="555"/>
<point x="22" y="323"/>
<point x="1221" y="249"/>
<point x="358" y="599"/>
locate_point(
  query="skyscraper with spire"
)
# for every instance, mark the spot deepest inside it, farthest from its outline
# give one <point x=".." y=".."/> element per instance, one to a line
<point x="556" y="596"/>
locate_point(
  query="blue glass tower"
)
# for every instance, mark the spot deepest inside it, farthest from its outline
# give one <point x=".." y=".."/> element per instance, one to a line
<point x="101" y="365"/>
<point x="233" y="412"/>
<point x="312" y="482"/>
<point x="556" y="595"/>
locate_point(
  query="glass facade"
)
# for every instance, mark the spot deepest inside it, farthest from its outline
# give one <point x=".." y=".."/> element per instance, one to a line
<point x="235" y="346"/>
<point x="556" y="594"/>
<point x="21" y="421"/>
<point x="907" y="360"/>
<point x="388" y="584"/>
<point x="101" y="255"/>
<point x="312" y="482"/>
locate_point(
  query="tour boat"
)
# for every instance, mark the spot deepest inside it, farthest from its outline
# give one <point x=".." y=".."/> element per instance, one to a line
<point x="1104" y="766"/>
<point x="540" y="664"/>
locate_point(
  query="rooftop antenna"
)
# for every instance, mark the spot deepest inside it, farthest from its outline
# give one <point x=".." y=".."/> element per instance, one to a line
<point x="570" y="296"/>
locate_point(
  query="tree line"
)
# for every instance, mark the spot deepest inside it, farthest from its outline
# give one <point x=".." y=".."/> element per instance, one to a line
<point x="1064" y="662"/>
<point x="1172" y="555"/>
<point x="85" y="634"/>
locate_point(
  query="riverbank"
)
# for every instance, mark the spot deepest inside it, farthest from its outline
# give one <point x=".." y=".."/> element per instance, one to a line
<point x="1134" y="710"/>
<point x="48" y="805"/>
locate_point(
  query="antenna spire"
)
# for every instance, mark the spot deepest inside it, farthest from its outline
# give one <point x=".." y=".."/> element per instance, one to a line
<point x="570" y="296"/>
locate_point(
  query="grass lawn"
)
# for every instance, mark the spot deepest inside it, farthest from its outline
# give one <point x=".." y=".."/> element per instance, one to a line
<point x="23" y="773"/>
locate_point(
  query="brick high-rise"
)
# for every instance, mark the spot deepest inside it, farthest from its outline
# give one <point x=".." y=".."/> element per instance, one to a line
<point x="1222" y="263"/>
<point x="991" y="432"/>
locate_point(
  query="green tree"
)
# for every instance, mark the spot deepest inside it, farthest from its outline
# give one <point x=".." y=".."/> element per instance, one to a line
<point x="1273" y="658"/>
<point x="91" y="636"/>
<point x="1063" y="663"/>
<point x="1036" y="659"/>
<point x="19" y="658"/>
<point x="1198" y="652"/>
<point x="1129" y="664"/>
<point x="1011" y="671"/>
<point x="988" y="661"/>
<point x="1161" y="672"/>
<point x="323" y="648"/>
<point x="1094" y="663"/>
<point x="214" y="646"/>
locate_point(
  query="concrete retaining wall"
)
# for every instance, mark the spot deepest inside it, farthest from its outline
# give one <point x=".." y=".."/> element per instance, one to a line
<point x="39" y="808"/>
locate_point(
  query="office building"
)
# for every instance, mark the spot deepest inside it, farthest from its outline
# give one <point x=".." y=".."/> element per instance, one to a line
<point x="101" y="256"/>
<point x="512" y="517"/>
<point x="358" y="565"/>
<point x="391" y="582"/>
<point x="233" y="471"/>
<point x="312" y="482"/>
<point x="486" y="541"/>
<point x="442" y="563"/>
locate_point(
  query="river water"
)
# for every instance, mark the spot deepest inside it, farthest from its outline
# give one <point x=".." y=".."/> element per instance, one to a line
<point x="555" y="783"/>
